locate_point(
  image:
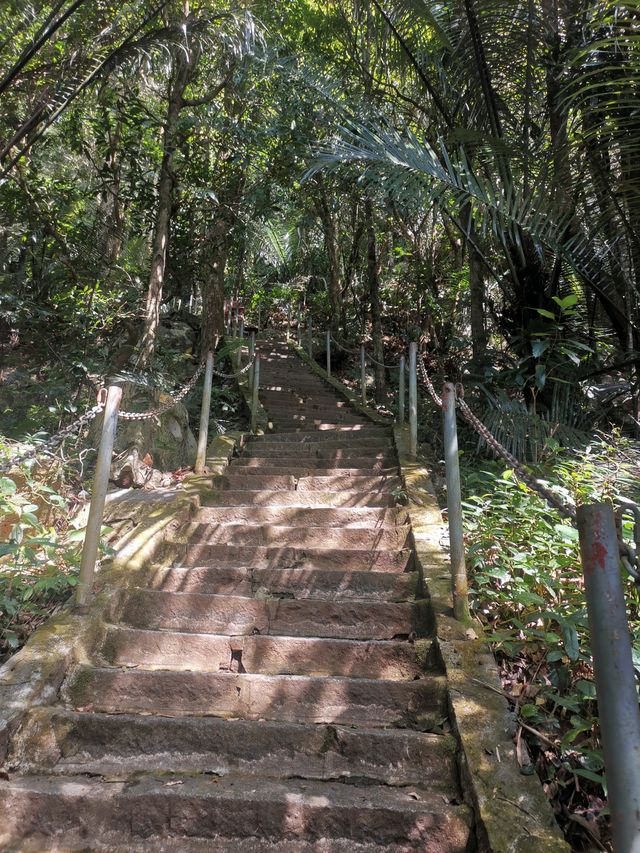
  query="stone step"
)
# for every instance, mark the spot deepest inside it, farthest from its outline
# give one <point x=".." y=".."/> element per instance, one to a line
<point x="67" y="743"/>
<point x="271" y="468"/>
<point x="292" y="465"/>
<point x="297" y="452"/>
<point x="288" y="583"/>
<point x="305" y="500"/>
<point x="364" y="430"/>
<point x="321" y="441"/>
<point x="258" y="557"/>
<point x="245" y="480"/>
<point x="346" y="517"/>
<point x="272" y="535"/>
<point x="393" y="660"/>
<point x="233" y="808"/>
<point x="351" y="483"/>
<point x="288" y="698"/>
<point x="283" y="422"/>
<point x="193" y="612"/>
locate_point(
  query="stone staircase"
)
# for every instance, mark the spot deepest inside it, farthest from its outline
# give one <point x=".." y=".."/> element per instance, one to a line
<point x="274" y="687"/>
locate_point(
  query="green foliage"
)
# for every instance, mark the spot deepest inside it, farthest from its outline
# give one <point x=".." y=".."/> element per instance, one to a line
<point x="527" y="589"/>
<point x="39" y="559"/>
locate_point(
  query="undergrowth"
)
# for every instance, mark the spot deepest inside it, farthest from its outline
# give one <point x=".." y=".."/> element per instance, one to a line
<point x="527" y="590"/>
<point x="39" y="553"/>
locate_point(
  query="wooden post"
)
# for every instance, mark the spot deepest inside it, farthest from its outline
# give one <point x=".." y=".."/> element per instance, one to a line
<point x="288" y="322"/>
<point x="205" y="410"/>
<point x="310" y="335"/>
<point x="299" y="327"/>
<point x="98" y="496"/>
<point x="363" y="375"/>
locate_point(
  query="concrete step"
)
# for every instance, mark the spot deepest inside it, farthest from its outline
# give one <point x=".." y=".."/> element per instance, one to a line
<point x="288" y="698"/>
<point x="271" y="535"/>
<point x="68" y="743"/>
<point x="282" y="498"/>
<point x="292" y="465"/>
<point x="258" y="557"/>
<point x="229" y="810"/>
<point x="345" y="517"/>
<point x="394" y="660"/>
<point x="193" y="612"/>
<point x="288" y="583"/>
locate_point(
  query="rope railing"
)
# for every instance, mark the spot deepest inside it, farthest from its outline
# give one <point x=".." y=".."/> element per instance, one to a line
<point x="603" y="552"/>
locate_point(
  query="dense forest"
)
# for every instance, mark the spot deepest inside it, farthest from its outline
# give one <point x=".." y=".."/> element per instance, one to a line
<point x="462" y="174"/>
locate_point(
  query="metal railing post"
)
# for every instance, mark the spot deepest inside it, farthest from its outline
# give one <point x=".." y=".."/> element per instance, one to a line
<point x="459" y="586"/>
<point x="613" y="664"/>
<point x="203" y="434"/>
<point x="328" y="347"/>
<point x="98" y="496"/>
<point x="401" y="388"/>
<point x="363" y="375"/>
<point x="255" y="387"/>
<point x="413" y="399"/>
<point x="310" y="335"/>
<point x="288" y="322"/>
<point x="299" y="327"/>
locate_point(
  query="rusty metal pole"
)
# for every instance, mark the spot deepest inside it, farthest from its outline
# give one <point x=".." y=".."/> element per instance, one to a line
<point x="613" y="665"/>
<point x="98" y="496"/>
<point x="203" y="434"/>
<point x="363" y="376"/>
<point x="255" y="387"/>
<point x="328" y="346"/>
<point x="401" y="389"/>
<point x="459" y="586"/>
<point x="413" y="400"/>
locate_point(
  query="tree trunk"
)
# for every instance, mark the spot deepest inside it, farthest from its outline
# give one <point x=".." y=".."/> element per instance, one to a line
<point x="183" y="69"/>
<point x="476" y="293"/>
<point x="215" y="263"/>
<point x="333" y="254"/>
<point x="374" y="297"/>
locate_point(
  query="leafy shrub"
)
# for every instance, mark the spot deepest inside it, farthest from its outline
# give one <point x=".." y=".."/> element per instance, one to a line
<point x="527" y="588"/>
<point x="38" y="560"/>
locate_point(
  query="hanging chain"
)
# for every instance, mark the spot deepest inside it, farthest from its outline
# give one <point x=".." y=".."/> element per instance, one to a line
<point x="532" y="482"/>
<point x="429" y="384"/>
<point x="235" y="375"/>
<point x="48" y="446"/>
<point x="175" y="398"/>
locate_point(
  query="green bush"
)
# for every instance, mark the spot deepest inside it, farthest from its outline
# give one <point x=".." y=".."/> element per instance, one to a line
<point x="527" y="589"/>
